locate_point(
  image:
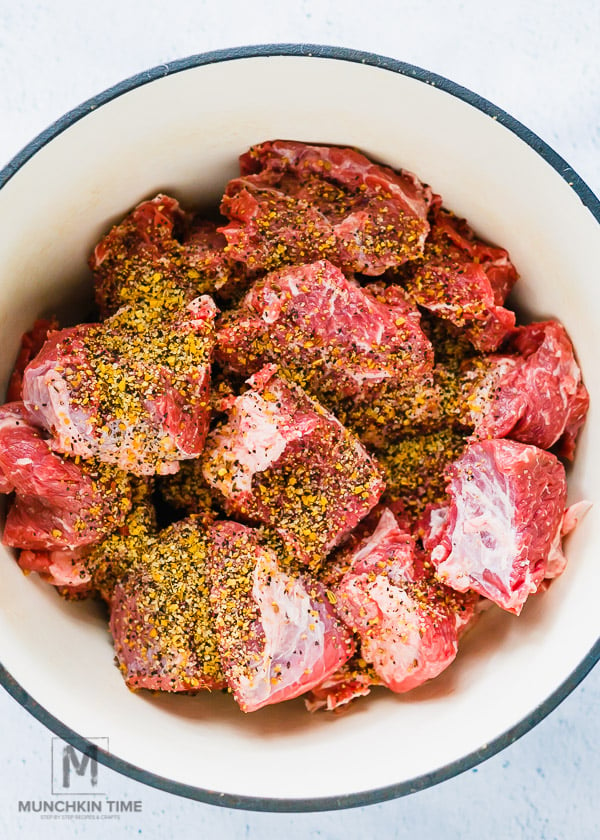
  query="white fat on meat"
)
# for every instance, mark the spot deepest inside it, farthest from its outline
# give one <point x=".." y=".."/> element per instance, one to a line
<point x="387" y="527"/>
<point x="485" y="510"/>
<point x="254" y="438"/>
<point x="294" y="634"/>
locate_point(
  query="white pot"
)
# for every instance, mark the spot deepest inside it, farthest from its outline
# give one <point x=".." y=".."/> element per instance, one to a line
<point x="179" y="129"/>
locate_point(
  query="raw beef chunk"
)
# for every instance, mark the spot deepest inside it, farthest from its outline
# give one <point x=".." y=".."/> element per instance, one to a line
<point x="157" y="252"/>
<point x="407" y="622"/>
<point x="97" y="568"/>
<point x="459" y="242"/>
<point x="463" y="281"/>
<point x="31" y="344"/>
<point x="160" y="615"/>
<point x="277" y="632"/>
<point x="331" y="336"/>
<point x="132" y="391"/>
<point x="296" y="204"/>
<point x="59" y="505"/>
<point x="556" y="562"/>
<point x="205" y="249"/>
<point x="506" y="508"/>
<point x="531" y="392"/>
<point x="282" y="460"/>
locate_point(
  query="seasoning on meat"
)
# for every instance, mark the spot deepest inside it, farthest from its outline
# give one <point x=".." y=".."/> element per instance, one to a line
<point x="277" y="632"/>
<point x="132" y="391"/>
<point x="160" y="615"/>
<point x="282" y="460"/>
<point x="296" y="203"/>
<point x="187" y="490"/>
<point x="64" y="569"/>
<point x="158" y="252"/>
<point x="109" y="561"/>
<point x="59" y="503"/>
<point x="462" y="280"/>
<point x="354" y="679"/>
<point x="407" y="622"/>
<point x="413" y="468"/>
<point x="335" y="339"/>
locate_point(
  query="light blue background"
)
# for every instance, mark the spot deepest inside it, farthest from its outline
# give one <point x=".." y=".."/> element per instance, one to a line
<point x="539" y="61"/>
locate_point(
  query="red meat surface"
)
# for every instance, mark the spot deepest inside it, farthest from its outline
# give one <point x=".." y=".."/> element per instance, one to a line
<point x="132" y="391"/>
<point x="160" y="615"/>
<point x="277" y="632"/>
<point x="156" y="251"/>
<point x="31" y="344"/>
<point x="506" y="507"/>
<point x="532" y="391"/>
<point x="461" y="242"/>
<point x="282" y="460"/>
<point x="296" y="203"/>
<point x="406" y="621"/>
<point x="556" y="562"/>
<point x="97" y="568"/>
<point x="59" y="505"/>
<point x="327" y="333"/>
<point x="463" y="281"/>
<point x="205" y="250"/>
<point x="66" y="570"/>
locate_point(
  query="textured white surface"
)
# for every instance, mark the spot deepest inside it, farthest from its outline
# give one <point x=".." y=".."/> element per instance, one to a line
<point x="540" y="64"/>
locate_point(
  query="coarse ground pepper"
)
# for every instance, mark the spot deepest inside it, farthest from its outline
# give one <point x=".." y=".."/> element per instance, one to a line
<point x="109" y="561"/>
<point x="171" y="625"/>
<point x="120" y="371"/>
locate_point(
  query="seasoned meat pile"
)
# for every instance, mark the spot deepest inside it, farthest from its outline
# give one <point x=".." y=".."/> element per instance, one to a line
<point x="300" y="447"/>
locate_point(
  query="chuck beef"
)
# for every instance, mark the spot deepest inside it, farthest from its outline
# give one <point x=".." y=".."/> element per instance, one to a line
<point x="282" y="460"/>
<point x="59" y="504"/>
<point x="66" y="570"/>
<point x="500" y="528"/>
<point x="531" y="391"/>
<point x="132" y="391"/>
<point x="296" y="203"/>
<point x="161" y="618"/>
<point x="31" y="344"/>
<point x="97" y="568"/>
<point x="278" y="634"/>
<point x="354" y="679"/>
<point x="331" y="336"/>
<point x="157" y="251"/>
<point x="464" y="281"/>
<point x="407" y="622"/>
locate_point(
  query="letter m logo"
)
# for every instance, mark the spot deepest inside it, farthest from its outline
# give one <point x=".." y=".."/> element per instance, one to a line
<point x="75" y="772"/>
<point x="79" y="762"/>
